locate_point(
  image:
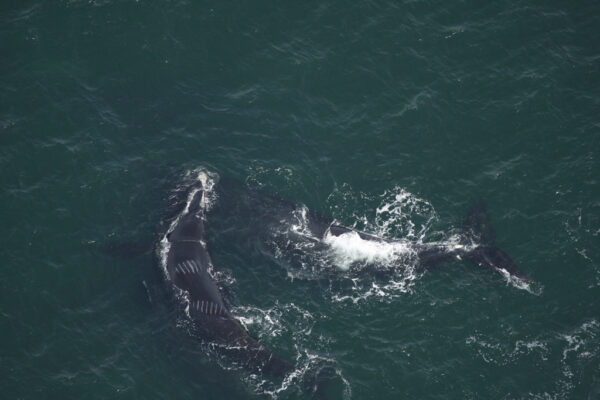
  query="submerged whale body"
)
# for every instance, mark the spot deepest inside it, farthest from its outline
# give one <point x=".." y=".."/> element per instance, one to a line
<point x="188" y="268"/>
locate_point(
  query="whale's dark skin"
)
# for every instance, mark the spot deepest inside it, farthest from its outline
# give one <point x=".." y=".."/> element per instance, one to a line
<point x="188" y="268"/>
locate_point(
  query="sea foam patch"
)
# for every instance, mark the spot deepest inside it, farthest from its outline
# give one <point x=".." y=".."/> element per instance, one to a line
<point x="349" y="248"/>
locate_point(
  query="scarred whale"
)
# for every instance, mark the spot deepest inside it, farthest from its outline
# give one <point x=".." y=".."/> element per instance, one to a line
<point x="189" y="269"/>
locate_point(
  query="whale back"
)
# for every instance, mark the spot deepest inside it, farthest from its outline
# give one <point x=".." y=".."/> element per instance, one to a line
<point x="189" y="267"/>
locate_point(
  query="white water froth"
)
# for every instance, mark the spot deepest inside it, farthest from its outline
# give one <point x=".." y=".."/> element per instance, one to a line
<point x="349" y="248"/>
<point x="383" y="292"/>
<point x="401" y="217"/>
<point x="579" y="339"/>
<point x="493" y="351"/>
<point x="306" y="363"/>
<point x="281" y="321"/>
<point x="567" y="352"/>
<point x="398" y="213"/>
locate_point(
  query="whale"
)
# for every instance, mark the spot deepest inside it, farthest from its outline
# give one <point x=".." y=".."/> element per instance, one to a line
<point x="189" y="269"/>
<point x="288" y="227"/>
<point x="477" y="243"/>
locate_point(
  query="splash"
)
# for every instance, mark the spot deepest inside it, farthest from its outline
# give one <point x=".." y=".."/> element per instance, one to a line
<point x="402" y="226"/>
<point x="402" y="214"/>
<point x="398" y="214"/>
<point x="346" y="257"/>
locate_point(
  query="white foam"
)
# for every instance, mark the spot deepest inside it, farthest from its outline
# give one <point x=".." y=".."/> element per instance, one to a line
<point x="403" y="214"/>
<point x="268" y="322"/>
<point x="349" y="248"/>
<point x="581" y="338"/>
<point x="497" y="351"/>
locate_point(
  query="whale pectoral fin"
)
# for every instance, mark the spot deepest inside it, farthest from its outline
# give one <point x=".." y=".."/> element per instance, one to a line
<point x="126" y="249"/>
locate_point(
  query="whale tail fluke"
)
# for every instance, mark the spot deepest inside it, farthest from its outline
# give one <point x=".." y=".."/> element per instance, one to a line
<point x="478" y="229"/>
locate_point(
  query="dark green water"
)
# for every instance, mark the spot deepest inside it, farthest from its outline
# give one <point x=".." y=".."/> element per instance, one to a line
<point x="411" y="108"/>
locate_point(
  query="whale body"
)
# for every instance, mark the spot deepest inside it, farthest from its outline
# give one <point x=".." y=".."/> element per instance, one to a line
<point x="477" y="233"/>
<point x="188" y="268"/>
<point x="297" y="232"/>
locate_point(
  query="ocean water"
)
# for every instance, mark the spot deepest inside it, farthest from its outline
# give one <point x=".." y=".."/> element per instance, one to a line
<point x="389" y="116"/>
